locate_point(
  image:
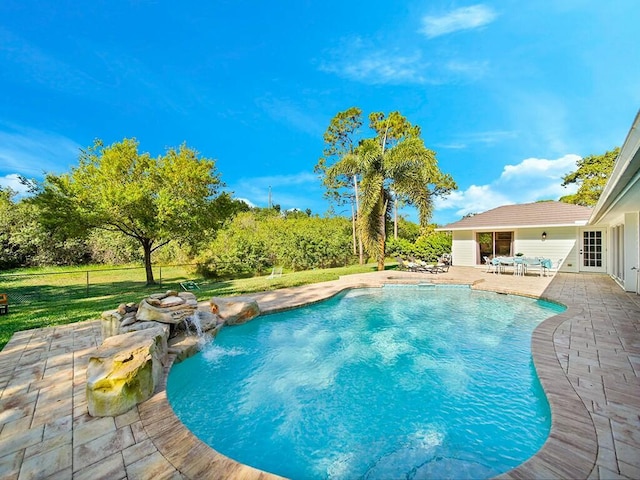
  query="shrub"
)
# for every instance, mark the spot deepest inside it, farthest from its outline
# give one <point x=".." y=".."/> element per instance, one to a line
<point x="428" y="247"/>
<point x="253" y="242"/>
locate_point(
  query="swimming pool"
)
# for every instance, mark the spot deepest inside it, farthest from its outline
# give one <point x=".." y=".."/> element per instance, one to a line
<point x="410" y="382"/>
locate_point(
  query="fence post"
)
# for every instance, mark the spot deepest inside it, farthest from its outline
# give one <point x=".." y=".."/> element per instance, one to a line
<point x="87" y="283"/>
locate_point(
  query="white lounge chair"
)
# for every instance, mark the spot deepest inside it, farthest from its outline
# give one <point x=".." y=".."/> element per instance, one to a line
<point x="275" y="272"/>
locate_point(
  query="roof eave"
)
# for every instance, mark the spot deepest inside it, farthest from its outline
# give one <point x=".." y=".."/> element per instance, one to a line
<point x="627" y="166"/>
<point x="577" y="223"/>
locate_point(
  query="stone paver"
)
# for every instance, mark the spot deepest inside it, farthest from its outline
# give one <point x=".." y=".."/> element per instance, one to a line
<point x="587" y="358"/>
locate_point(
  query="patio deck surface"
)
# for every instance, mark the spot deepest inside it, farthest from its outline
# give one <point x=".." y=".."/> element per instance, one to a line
<point x="587" y="358"/>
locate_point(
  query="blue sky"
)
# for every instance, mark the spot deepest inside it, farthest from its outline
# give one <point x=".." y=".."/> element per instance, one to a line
<point x="509" y="94"/>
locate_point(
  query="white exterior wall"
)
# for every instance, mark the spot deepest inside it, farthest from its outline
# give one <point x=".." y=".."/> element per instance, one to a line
<point x="463" y="248"/>
<point x="631" y="251"/>
<point x="561" y="243"/>
<point x="631" y="254"/>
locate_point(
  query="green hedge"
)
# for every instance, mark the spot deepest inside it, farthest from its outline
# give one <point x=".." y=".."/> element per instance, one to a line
<point x="427" y="247"/>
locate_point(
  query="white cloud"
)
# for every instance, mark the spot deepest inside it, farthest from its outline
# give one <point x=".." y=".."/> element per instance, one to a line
<point x="540" y="167"/>
<point x="396" y="66"/>
<point x="475" y="199"/>
<point x="530" y="180"/>
<point x="247" y="201"/>
<point x="464" y="18"/>
<point x="13" y="182"/>
<point x="30" y="152"/>
<point x="373" y="66"/>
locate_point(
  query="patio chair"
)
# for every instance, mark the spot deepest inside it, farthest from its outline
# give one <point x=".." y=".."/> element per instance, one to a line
<point x="534" y="265"/>
<point x="491" y="268"/>
<point x="441" y="268"/>
<point x="275" y="272"/>
<point x="4" y="303"/>
<point x="415" y="266"/>
<point x="189" y="286"/>
<point x="402" y="264"/>
<point x="444" y="263"/>
<point x="555" y="267"/>
<point x="519" y="266"/>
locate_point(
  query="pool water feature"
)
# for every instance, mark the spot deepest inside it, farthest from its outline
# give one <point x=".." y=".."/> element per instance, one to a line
<point x="407" y="382"/>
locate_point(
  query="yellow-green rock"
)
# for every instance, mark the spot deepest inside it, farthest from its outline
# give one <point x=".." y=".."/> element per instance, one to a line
<point x="125" y="370"/>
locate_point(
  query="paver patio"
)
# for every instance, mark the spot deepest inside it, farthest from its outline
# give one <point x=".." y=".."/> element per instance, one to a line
<point x="588" y="360"/>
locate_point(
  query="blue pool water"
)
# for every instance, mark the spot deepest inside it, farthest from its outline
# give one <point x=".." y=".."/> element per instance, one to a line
<point x="405" y="382"/>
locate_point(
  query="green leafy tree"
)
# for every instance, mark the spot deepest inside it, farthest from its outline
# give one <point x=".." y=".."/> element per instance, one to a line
<point x="116" y="188"/>
<point x="11" y="254"/>
<point x="394" y="159"/>
<point x="24" y="242"/>
<point x="591" y="177"/>
<point x="340" y="139"/>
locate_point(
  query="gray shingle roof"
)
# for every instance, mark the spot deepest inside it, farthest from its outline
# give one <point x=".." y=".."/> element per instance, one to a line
<point x="539" y="214"/>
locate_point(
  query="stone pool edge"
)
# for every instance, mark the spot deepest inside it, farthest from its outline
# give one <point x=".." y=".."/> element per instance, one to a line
<point x="570" y="451"/>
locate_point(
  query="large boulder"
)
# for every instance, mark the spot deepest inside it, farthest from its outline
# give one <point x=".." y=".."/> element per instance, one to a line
<point x="171" y="310"/>
<point x="125" y="370"/>
<point x="235" y="310"/>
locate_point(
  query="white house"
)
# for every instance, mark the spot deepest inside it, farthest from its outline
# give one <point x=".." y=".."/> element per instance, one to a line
<point x="605" y="239"/>
<point x="543" y="229"/>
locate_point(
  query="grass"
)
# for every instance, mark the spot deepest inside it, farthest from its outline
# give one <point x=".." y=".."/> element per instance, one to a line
<point x="52" y="296"/>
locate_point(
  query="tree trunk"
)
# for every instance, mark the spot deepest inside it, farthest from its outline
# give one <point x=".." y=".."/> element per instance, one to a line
<point x="360" y="249"/>
<point x="382" y="233"/>
<point x="146" y="246"/>
<point x="395" y="219"/>
<point x="353" y="226"/>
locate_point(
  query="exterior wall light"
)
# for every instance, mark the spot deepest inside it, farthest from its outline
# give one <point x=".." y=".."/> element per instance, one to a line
<point x="544" y="236"/>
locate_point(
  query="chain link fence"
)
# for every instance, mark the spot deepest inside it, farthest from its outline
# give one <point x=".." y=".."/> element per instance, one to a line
<point x="30" y="288"/>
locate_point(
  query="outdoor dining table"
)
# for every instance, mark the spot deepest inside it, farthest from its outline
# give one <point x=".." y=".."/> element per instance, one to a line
<point x="520" y="264"/>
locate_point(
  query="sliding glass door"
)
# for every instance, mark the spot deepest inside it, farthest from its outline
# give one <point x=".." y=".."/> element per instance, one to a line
<point x="493" y="244"/>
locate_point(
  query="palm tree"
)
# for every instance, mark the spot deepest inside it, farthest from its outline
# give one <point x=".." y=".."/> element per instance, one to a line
<point x="395" y="159"/>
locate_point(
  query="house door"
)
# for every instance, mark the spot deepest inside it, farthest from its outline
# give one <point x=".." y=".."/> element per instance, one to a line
<point x="592" y="251"/>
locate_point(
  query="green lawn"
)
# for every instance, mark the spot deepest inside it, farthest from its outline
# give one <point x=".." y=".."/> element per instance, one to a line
<point x="46" y="297"/>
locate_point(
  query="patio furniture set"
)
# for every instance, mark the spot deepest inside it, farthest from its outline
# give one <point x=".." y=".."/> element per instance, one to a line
<point x="521" y="265"/>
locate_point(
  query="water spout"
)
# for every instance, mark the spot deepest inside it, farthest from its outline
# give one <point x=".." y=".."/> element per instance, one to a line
<point x="193" y="326"/>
